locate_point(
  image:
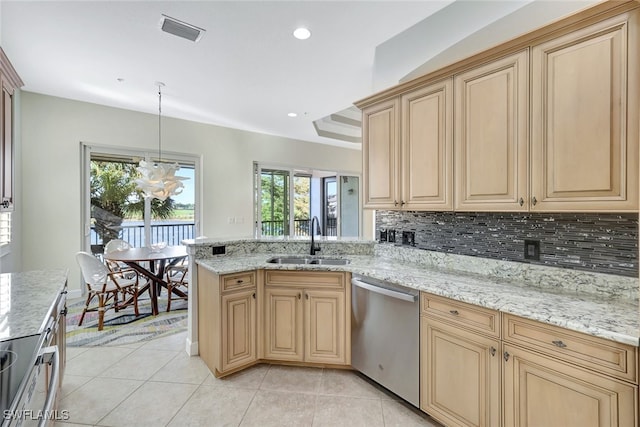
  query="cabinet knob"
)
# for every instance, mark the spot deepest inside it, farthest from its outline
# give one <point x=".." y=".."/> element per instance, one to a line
<point x="5" y="204"/>
<point x="299" y="295"/>
<point x="254" y="295"/>
<point x="521" y="201"/>
<point x="559" y="344"/>
<point x="306" y="295"/>
<point x="534" y="201"/>
<point x="454" y="312"/>
<point x="402" y="203"/>
<point x="492" y="351"/>
<point x="395" y="203"/>
<point x="506" y="356"/>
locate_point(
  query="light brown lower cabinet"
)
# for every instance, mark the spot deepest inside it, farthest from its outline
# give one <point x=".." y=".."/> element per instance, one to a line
<point x="460" y="375"/>
<point x="540" y="391"/>
<point x="305" y="317"/>
<point x="227" y="320"/>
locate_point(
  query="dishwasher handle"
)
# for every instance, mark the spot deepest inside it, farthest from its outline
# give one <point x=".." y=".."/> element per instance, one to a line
<point x="384" y="291"/>
<point x="50" y="355"/>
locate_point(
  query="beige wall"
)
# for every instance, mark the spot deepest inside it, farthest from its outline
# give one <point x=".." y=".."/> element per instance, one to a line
<point x="52" y="129"/>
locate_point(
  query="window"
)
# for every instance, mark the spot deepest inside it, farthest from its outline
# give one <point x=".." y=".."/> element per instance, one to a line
<point x="286" y="199"/>
<point x="115" y="209"/>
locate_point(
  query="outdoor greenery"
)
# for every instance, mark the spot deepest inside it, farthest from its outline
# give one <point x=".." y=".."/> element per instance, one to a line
<point x="114" y="198"/>
<point x="275" y="199"/>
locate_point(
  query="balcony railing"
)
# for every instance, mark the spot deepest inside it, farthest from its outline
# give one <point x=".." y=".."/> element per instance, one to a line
<point x="172" y="233"/>
<point x="300" y="227"/>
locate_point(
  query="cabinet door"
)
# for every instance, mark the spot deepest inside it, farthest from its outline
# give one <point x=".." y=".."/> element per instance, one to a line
<point x="6" y="146"/>
<point x="283" y="324"/>
<point x="427" y="144"/>
<point x="584" y="152"/>
<point x="380" y="155"/>
<point x="540" y="391"/>
<point x="491" y="136"/>
<point x="460" y="375"/>
<point x="325" y="326"/>
<point x="238" y="329"/>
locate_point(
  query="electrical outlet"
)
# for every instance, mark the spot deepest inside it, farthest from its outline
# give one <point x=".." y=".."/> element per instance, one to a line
<point x="383" y="236"/>
<point x="532" y="249"/>
<point x="409" y="238"/>
<point x="218" y="250"/>
<point x="391" y="236"/>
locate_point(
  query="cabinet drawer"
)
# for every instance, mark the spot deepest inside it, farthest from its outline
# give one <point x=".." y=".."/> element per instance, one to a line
<point x="470" y="316"/>
<point x="616" y="359"/>
<point x="244" y="280"/>
<point x="316" y="279"/>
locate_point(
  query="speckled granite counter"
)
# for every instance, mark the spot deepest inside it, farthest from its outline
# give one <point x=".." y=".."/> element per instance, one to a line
<point x="26" y="301"/>
<point x="614" y="317"/>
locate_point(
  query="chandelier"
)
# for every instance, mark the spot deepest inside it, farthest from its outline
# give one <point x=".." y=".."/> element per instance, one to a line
<point x="158" y="180"/>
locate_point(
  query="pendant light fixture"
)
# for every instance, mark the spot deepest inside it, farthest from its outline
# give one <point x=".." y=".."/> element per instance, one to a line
<point x="159" y="179"/>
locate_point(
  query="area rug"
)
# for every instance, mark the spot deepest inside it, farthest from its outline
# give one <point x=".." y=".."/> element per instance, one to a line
<point x="124" y="327"/>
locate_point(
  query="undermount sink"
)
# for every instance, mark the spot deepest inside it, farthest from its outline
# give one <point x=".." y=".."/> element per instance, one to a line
<point x="308" y="260"/>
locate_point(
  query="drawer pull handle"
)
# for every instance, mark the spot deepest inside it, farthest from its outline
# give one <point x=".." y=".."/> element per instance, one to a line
<point x="521" y="201"/>
<point x="299" y="295"/>
<point x="492" y="351"/>
<point x="239" y="281"/>
<point x="454" y="312"/>
<point x="506" y="356"/>
<point x="534" y="200"/>
<point x="559" y="344"/>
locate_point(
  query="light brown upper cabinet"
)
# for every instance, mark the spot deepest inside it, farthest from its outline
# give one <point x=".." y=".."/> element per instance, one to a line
<point x="585" y="119"/>
<point x="546" y="122"/>
<point x="491" y="135"/>
<point x="380" y="154"/>
<point x="416" y="171"/>
<point x="427" y="144"/>
<point x="9" y="82"/>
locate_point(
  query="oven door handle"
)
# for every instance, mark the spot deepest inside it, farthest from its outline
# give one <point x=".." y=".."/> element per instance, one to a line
<point x="384" y="291"/>
<point x="51" y="355"/>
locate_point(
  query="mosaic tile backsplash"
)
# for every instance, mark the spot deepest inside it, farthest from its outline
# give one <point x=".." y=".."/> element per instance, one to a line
<point x="606" y="243"/>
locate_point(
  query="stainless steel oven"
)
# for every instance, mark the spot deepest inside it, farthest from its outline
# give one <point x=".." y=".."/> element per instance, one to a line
<point x="29" y="382"/>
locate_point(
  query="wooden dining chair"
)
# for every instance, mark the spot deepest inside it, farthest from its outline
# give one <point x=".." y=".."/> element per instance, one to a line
<point x="112" y="291"/>
<point x="177" y="277"/>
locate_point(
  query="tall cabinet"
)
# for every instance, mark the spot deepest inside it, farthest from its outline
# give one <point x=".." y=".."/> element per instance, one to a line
<point x="9" y="82"/>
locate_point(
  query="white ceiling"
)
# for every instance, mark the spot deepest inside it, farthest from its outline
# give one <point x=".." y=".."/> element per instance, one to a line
<point x="247" y="72"/>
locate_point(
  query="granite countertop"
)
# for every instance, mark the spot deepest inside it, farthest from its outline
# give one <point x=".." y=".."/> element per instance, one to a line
<point x="592" y="314"/>
<point x="26" y="301"/>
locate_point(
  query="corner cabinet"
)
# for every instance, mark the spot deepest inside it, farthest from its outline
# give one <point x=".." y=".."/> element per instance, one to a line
<point x="492" y="135"/>
<point x="9" y="82"/>
<point x="227" y="320"/>
<point x="585" y="90"/>
<point x="306" y="317"/>
<point x="407" y="149"/>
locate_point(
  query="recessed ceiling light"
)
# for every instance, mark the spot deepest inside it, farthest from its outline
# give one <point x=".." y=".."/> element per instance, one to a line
<point x="302" y="33"/>
<point x="292" y="114"/>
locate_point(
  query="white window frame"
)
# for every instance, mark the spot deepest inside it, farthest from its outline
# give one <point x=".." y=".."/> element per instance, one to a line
<point x="86" y="149"/>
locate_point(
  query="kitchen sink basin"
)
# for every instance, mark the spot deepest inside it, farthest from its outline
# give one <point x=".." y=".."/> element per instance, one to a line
<point x="308" y="260"/>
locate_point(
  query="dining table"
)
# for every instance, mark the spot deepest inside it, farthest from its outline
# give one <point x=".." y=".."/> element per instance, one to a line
<point x="157" y="260"/>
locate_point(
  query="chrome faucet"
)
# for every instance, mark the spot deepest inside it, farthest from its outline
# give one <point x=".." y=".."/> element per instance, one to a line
<point x="314" y="247"/>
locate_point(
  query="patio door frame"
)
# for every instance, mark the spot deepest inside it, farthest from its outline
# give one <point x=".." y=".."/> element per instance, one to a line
<point x="87" y="149"/>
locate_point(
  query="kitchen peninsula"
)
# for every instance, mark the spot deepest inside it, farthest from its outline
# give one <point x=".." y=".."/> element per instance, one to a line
<point x="558" y="321"/>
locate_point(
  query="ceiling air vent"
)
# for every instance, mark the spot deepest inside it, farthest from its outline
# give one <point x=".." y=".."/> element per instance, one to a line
<point x="181" y="29"/>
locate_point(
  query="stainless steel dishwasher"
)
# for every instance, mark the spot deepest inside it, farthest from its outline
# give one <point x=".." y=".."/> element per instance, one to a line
<point x="385" y="335"/>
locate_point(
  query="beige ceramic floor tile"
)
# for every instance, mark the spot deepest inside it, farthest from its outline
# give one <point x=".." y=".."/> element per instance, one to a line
<point x="71" y="383"/>
<point x="399" y="414"/>
<point x="75" y="351"/>
<point x="175" y="342"/>
<point x="140" y="364"/>
<point x="342" y="382"/>
<point x="183" y="369"/>
<point x="214" y="406"/>
<point x="279" y="409"/>
<point x="333" y="411"/>
<point x="63" y="424"/>
<point x="95" y="360"/>
<point x="292" y="379"/>
<point x="153" y="404"/>
<point x="249" y="378"/>
<point x="92" y="401"/>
